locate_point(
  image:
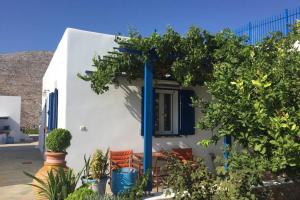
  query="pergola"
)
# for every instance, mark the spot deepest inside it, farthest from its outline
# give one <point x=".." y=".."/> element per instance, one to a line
<point x="148" y="108"/>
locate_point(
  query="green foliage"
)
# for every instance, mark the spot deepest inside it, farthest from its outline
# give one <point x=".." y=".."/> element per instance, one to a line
<point x="82" y="193"/>
<point x="58" y="185"/>
<point x="191" y="181"/>
<point x="87" y="166"/>
<point x="58" y="140"/>
<point x="31" y="131"/>
<point x="99" y="164"/>
<point x="256" y="97"/>
<point x="245" y="172"/>
<point x="187" y="59"/>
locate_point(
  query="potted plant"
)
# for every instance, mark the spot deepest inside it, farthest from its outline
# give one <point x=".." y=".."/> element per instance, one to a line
<point x="87" y="179"/>
<point x="57" y="141"/>
<point x="96" y="171"/>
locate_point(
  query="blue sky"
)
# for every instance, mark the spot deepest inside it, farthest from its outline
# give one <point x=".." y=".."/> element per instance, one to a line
<point x="39" y="24"/>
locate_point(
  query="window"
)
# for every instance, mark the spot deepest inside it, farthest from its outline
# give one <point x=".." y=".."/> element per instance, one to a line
<point x="166" y="112"/>
<point x="173" y="113"/>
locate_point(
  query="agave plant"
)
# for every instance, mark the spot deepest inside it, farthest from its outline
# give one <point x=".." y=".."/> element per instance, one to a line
<point x="58" y="185"/>
<point x="86" y="170"/>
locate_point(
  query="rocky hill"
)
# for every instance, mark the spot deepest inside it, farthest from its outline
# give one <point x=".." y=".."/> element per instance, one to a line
<point x="21" y="75"/>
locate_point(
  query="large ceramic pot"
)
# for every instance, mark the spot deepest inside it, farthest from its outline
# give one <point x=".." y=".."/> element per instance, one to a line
<point x="54" y="161"/>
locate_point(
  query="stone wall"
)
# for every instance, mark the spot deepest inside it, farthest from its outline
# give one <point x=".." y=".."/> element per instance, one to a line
<point x="21" y="75"/>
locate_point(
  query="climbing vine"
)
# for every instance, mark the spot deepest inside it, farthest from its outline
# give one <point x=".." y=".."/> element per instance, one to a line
<point x="187" y="59"/>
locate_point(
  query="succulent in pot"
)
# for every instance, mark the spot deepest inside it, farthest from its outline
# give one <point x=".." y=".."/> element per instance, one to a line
<point x="87" y="177"/>
<point x="96" y="171"/>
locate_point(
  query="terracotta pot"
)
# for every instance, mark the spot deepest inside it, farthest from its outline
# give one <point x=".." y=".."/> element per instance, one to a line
<point x="54" y="160"/>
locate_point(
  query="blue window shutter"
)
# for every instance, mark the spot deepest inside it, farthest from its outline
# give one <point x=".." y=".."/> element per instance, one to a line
<point x="186" y="113"/>
<point x="50" y="112"/>
<point x="142" y="111"/>
<point x="55" y="108"/>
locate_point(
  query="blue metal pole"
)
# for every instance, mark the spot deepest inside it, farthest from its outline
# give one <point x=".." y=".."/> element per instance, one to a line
<point x="286" y="21"/>
<point x="227" y="144"/>
<point x="148" y="121"/>
<point x="250" y="33"/>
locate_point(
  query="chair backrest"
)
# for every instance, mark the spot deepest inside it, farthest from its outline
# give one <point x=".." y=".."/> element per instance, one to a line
<point x="183" y="153"/>
<point x="120" y="159"/>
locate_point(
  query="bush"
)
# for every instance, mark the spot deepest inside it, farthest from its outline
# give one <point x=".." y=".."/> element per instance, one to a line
<point x="82" y="193"/>
<point x="58" y="140"/>
<point x="31" y="131"/>
<point x="256" y="91"/>
<point x="191" y="181"/>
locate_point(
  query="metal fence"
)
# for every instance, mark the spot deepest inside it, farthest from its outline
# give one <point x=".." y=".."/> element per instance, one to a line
<point x="258" y="30"/>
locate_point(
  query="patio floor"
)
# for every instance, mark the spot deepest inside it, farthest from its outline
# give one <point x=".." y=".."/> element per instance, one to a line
<point x="14" y="159"/>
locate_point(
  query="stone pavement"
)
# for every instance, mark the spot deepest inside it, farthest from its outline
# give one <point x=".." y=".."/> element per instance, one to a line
<point x="14" y="159"/>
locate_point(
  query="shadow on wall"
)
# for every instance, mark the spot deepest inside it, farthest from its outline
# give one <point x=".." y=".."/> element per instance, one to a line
<point x="132" y="99"/>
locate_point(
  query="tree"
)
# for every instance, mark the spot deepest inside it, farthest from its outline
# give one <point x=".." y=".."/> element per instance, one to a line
<point x="256" y="92"/>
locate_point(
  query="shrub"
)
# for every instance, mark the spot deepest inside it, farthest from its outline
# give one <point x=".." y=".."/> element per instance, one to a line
<point x="82" y="193"/>
<point x="256" y="91"/>
<point x="99" y="164"/>
<point x="245" y="173"/>
<point x="58" y="140"/>
<point x="31" y="131"/>
<point x="191" y="180"/>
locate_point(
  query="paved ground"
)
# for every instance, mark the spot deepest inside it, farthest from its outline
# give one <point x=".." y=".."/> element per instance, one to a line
<point x="14" y="159"/>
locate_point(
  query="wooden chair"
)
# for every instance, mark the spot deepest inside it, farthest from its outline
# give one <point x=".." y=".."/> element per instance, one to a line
<point x="137" y="163"/>
<point x="120" y="159"/>
<point x="184" y="154"/>
<point x="159" y="172"/>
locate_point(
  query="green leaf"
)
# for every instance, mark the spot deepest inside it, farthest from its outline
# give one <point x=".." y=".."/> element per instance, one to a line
<point x="258" y="147"/>
<point x="267" y="84"/>
<point x="205" y="142"/>
<point x="256" y="83"/>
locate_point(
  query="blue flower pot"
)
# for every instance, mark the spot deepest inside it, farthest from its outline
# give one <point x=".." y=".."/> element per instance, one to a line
<point x="123" y="179"/>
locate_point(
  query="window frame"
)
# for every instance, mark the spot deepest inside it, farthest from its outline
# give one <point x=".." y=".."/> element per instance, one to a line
<point x="174" y="131"/>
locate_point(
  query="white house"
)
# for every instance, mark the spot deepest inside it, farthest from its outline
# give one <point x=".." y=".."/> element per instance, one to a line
<point x="113" y="119"/>
<point x="10" y="114"/>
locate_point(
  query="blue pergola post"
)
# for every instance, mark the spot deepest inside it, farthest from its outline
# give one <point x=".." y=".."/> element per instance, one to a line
<point x="148" y="121"/>
<point x="148" y="109"/>
<point x="227" y="144"/>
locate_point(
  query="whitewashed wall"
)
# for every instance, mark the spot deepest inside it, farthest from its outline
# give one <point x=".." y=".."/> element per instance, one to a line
<point x="10" y="106"/>
<point x="112" y="119"/>
<point x="56" y="77"/>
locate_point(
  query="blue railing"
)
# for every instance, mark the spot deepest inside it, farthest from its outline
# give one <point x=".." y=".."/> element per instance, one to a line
<point x="258" y="30"/>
